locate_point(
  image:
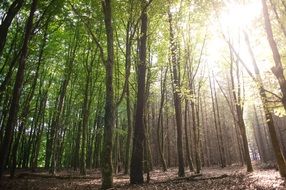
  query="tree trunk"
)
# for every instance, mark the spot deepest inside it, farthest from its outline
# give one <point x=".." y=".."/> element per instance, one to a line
<point x="278" y="68"/>
<point x="177" y="100"/>
<point x="240" y="120"/>
<point x="222" y="162"/>
<point x="136" y="168"/>
<point x="129" y="132"/>
<point x="188" y="155"/>
<point x="40" y="117"/>
<point x="197" y="138"/>
<point x="127" y="70"/>
<point x="259" y="136"/>
<point x="12" y="62"/>
<point x="85" y="115"/>
<point x="12" y="119"/>
<point x="5" y="24"/>
<point x="160" y="136"/>
<point x="27" y="102"/>
<point x="269" y="119"/>
<point x="274" y="8"/>
<point x="107" y="179"/>
<point x="59" y="109"/>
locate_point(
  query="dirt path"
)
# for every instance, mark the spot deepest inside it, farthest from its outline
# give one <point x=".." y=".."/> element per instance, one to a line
<point x="232" y="178"/>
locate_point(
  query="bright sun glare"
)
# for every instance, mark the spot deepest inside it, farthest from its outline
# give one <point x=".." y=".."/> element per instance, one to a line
<point x="232" y="19"/>
<point x="236" y="15"/>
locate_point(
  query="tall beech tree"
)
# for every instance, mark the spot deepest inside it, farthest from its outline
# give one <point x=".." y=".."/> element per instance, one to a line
<point x="109" y="117"/>
<point x="136" y="167"/>
<point x="177" y="101"/>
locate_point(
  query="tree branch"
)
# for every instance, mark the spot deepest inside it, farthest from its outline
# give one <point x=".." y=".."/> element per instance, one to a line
<point x="95" y="39"/>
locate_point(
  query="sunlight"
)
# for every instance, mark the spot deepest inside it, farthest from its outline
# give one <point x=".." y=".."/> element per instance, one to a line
<point x="236" y="15"/>
<point x="233" y="19"/>
<point x="174" y="9"/>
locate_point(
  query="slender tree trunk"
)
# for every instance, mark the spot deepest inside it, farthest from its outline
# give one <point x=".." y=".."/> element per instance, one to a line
<point x="26" y="109"/>
<point x="77" y="146"/>
<point x="194" y="126"/>
<point x="41" y="118"/>
<point x="160" y="136"/>
<point x="274" y="8"/>
<point x="177" y="100"/>
<point x="205" y="134"/>
<point x="268" y="115"/>
<point x="12" y="62"/>
<point x="6" y="22"/>
<point x="107" y="179"/>
<point x="56" y="125"/>
<point x="219" y="127"/>
<point x="278" y="68"/>
<point x="168" y="138"/>
<point x="188" y="155"/>
<point x="240" y="120"/>
<point x="197" y="138"/>
<point x="127" y="70"/>
<point x="85" y="115"/>
<point x="259" y="134"/>
<point x="216" y="125"/>
<point x="129" y="132"/>
<point x="147" y="150"/>
<point x="12" y="119"/>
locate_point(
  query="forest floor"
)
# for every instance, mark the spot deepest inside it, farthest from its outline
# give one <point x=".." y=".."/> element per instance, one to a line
<point x="232" y="177"/>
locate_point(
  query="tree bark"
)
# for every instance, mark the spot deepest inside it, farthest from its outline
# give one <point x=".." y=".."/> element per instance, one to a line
<point x="221" y="155"/>
<point x="240" y="120"/>
<point x="197" y="137"/>
<point x="136" y="168"/>
<point x="6" y="23"/>
<point x="260" y="143"/>
<point x="12" y="119"/>
<point x="129" y="132"/>
<point x="85" y="115"/>
<point x="107" y="179"/>
<point x="188" y="155"/>
<point x="160" y="135"/>
<point x="269" y="119"/>
<point x="278" y="68"/>
<point x="56" y="124"/>
<point x="177" y="100"/>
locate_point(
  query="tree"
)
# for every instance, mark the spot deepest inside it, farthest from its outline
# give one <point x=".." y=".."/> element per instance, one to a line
<point x="268" y="115"/>
<point x="57" y="123"/>
<point x="107" y="181"/>
<point x="6" y="22"/>
<point x="177" y="101"/>
<point x="86" y="109"/>
<point x="217" y="122"/>
<point x="12" y="119"/>
<point x="239" y="113"/>
<point x="160" y="136"/>
<point x="136" y="167"/>
<point x="278" y="68"/>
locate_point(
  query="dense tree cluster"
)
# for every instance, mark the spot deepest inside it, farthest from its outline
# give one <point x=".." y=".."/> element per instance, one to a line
<point x="129" y="85"/>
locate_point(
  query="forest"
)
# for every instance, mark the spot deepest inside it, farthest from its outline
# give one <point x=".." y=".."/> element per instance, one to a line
<point x="142" y="94"/>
